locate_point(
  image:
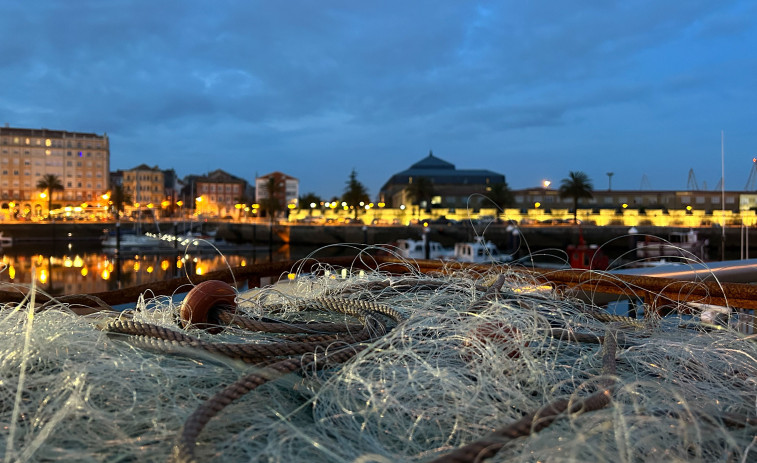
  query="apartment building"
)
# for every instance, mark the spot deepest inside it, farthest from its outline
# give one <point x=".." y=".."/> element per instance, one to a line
<point x="145" y="185"/>
<point x="218" y="192"/>
<point x="81" y="161"/>
<point x="287" y="189"/>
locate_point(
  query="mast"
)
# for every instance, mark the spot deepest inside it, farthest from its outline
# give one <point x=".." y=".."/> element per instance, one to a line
<point x="722" y="194"/>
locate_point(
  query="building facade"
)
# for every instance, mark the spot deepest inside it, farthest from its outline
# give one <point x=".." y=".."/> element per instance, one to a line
<point x="547" y="198"/>
<point x="145" y="185"/>
<point x="453" y="188"/>
<point x="81" y="161"/>
<point x="218" y="193"/>
<point x="287" y="189"/>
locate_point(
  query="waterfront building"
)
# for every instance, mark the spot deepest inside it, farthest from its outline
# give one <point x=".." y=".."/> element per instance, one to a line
<point x="704" y="200"/>
<point x="218" y="193"/>
<point x="453" y="188"/>
<point x="287" y="189"/>
<point x="80" y="160"/>
<point x="145" y="185"/>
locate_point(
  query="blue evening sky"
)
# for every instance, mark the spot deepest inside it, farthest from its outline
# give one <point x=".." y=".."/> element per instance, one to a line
<point x="530" y="89"/>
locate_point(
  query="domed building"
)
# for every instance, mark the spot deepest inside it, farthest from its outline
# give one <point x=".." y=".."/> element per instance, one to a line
<point x="452" y="187"/>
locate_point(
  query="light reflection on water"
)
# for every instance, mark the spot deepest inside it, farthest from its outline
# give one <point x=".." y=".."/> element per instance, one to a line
<point x="74" y="268"/>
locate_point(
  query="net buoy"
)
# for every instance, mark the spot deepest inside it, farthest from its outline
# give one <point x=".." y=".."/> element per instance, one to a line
<point x="200" y="306"/>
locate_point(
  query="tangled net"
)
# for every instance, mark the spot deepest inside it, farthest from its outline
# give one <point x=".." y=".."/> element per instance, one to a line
<point x="455" y="367"/>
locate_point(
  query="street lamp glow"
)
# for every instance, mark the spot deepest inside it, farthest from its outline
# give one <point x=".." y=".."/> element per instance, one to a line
<point x="537" y="204"/>
<point x="546" y="183"/>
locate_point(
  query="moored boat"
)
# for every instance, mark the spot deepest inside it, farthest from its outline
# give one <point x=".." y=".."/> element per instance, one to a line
<point x="681" y="244"/>
<point x="480" y="251"/>
<point x="416" y="249"/>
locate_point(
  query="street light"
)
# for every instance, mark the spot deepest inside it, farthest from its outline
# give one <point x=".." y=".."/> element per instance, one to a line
<point x="546" y="183"/>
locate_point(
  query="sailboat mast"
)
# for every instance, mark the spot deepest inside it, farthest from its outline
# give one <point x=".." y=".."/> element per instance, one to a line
<point x="722" y="194"/>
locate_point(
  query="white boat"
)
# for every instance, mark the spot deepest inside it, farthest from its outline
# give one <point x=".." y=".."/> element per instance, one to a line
<point x="129" y="242"/>
<point x="5" y="240"/>
<point x="680" y="244"/>
<point x="480" y="252"/>
<point x="415" y="249"/>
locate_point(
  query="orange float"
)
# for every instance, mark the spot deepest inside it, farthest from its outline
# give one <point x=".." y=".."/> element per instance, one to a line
<point x="201" y="305"/>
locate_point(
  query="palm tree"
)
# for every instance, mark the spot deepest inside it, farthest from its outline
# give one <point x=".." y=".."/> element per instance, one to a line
<point x="355" y="193"/>
<point x="119" y="198"/>
<point x="501" y="195"/>
<point x="576" y="186"/>
<point x="50" y="183"/>
<point x="421" y="189"/>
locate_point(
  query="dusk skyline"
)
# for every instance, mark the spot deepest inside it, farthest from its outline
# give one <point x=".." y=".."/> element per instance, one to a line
<point x="642" y="89"/>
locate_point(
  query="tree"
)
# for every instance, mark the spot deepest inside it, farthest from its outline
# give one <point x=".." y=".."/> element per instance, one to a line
<point x="309" y="198"/>
<point x="272" y="204"/>
<point x="576" y="186"/>
<point x="50" y="183"/>
<point x="120" y="198"/>
<point x="421" y="189"/>
<point x="501" y="195"/>
<point x="355" y="193"/>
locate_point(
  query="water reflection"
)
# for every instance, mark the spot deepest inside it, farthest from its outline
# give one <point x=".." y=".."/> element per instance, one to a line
<point x="81" y="268"/>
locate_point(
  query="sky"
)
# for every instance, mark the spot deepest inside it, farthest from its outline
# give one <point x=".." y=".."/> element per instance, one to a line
<point x="650" y="90"/>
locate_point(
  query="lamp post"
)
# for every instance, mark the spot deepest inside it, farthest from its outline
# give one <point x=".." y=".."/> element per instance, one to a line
<point x="609" y="180"/>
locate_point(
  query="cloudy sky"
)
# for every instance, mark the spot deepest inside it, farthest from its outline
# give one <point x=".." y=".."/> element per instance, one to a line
<point x="533" y="90"/>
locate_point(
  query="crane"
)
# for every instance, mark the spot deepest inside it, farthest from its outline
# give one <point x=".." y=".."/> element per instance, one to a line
<point x="750" y="183"/>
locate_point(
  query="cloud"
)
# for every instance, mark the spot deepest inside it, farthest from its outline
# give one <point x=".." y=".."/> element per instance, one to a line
<point x="392" y="79"/>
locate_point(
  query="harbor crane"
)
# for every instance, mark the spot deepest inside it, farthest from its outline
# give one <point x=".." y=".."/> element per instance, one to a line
<point x="692" y="184"/>
<point x="750" y="183"/>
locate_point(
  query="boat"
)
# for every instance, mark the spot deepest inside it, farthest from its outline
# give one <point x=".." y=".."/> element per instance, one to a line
<point x="129" y="242"/>
<point x="586" y="256"/>
<point x="5" y="240"/>
<point x="480" y="251"/>
<point x="681" y="244"/>
<point x="415" y="249"/>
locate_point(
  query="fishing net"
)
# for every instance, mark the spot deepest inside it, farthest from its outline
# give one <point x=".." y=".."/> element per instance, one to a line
<point x="456" y="366"/>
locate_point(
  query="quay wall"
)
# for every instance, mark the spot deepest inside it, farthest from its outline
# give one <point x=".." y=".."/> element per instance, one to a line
<point x="615" y="239"/>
